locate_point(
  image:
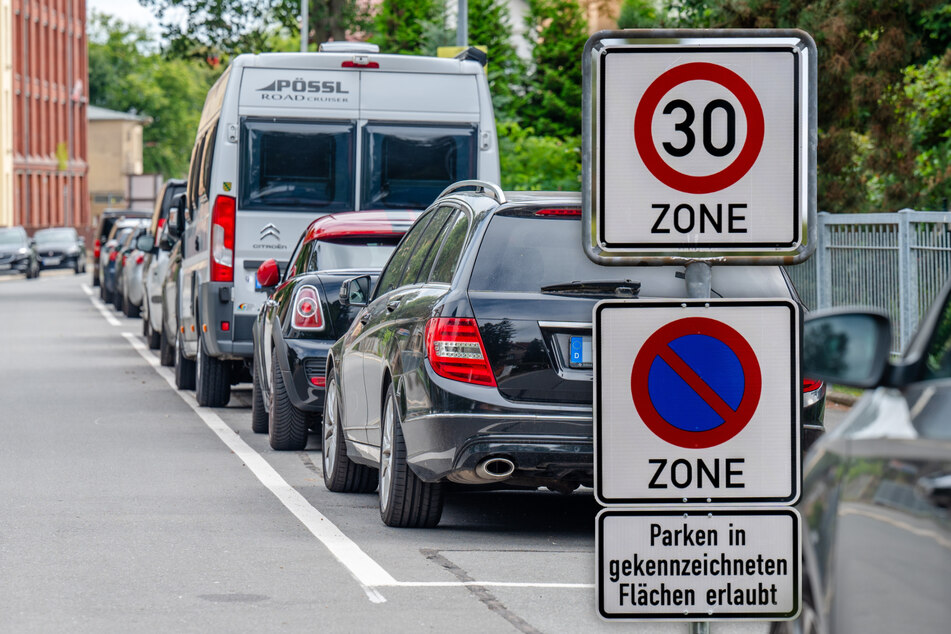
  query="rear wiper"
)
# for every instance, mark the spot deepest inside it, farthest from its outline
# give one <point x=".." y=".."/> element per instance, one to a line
<point x="626" y="288"/>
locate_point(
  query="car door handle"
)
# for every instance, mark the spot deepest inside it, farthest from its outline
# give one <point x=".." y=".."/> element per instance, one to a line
<point x="364" y="318"/>
<point x="390" y="307"/>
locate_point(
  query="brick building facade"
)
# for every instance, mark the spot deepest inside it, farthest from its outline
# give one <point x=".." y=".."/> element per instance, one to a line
<point x="49" y="128"/>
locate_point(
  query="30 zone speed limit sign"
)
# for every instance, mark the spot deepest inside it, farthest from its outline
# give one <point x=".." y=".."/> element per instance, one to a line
<point x="699" y="144"/>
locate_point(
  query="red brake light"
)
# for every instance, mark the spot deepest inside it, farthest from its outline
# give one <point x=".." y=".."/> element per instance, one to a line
<point x="161" y="223"/>
<point x="112" y="256"/>
<point x="318" y="381"/>
<point x="811" y="385"/>
<point x="98" y="248"/>
<point x="308" y="314"/>
<point x="140" y="259"/>
<point x="356" y="64"/>
<point x="222" y="239"/>
<point x="558" y="212"/>
<point x="225" y="326"/>
<point x="455" y="350"/>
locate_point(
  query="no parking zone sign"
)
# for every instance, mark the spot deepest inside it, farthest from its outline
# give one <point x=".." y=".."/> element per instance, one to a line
<point x="699" y="145"/>
<point x="697" y="401"/>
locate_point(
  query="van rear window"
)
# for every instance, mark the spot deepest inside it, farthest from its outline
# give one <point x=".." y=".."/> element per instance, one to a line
<point x="408" y="166"/>
<point x="291" y="165"/>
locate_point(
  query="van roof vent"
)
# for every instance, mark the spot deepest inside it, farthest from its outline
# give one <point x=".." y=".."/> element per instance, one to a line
<point x="348" y="47"/>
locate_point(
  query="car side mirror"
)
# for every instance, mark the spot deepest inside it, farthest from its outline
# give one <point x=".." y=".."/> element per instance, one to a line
<point x="182" y="216"/>
<point x="268" y="275"/>
<point x="145" y="242"/>
<point x="32" y="242"/>
<point x="355" y="291"/>
<point x="846" y="346"/>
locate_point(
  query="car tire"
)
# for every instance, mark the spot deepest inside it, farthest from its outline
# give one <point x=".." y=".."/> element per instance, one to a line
<point x="184" y="367"/>
<point x="287" y="425"/>
<point x="78" y="268"/>
<point x="259" y="413"/>
<point x="130" y="309"/>
<point x="155" y="338"/>
<point x="341" y="475"/>
<point x="166" y="349"/>
<point x="212" y="383"/>
<point x="95" y="280"/>
<point x="405" y="500"/>
<point x="145" y="327"/>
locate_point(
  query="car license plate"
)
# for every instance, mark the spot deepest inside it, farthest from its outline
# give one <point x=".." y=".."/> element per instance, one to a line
<point x="580" y="352"/>
<point x="50" y="261"/>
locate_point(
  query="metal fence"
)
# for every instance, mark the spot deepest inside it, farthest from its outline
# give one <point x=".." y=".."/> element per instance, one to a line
<point x="893" y="261"/>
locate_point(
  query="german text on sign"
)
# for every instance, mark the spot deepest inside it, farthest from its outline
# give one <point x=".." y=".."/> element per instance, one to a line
<point x="698" y="564"/>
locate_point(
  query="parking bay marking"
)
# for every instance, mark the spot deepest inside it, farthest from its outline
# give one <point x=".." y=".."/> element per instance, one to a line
<point x="364" y="569"/>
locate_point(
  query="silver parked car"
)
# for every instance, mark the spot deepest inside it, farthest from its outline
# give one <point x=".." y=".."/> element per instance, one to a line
<point x="156" y="261"/>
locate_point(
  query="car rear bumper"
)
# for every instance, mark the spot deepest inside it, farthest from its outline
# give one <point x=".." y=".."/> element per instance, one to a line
<point x="300" y="361"/>
<point x="544" y="448"/>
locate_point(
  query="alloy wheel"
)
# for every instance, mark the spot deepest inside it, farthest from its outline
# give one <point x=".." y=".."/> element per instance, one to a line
<point x="331" y="430"/>
<point x="386" y="453"/>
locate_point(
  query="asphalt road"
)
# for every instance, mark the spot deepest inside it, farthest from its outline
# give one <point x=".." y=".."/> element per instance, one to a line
<point x="127" y="508"/>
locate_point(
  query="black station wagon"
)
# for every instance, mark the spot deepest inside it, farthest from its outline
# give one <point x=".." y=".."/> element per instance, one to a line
<point x="470" y="361"/>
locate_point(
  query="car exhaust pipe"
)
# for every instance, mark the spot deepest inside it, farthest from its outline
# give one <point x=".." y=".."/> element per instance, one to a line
<point x="495" y="469"/>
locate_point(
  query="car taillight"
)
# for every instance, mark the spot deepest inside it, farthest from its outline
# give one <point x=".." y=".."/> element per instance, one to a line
<point x="222" y="239"/>
<point x="125" y="258"/>
<point x="558" y="212"/>
<point x="140" y="259"/>
<point x="811" y="385"/>
<point x="455" y="350"/>
<point x="113" y="256"/>
<point x="308" y="314"/>
<point x="98" y="248"/>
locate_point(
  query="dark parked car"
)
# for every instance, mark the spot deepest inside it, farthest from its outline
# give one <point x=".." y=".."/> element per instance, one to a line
<point x="18" y="252"/>
<point x="303" y="317"/>
<point x="60" y="248"/>
<point x="106" y="222"/>
<point x="109" y="256"/>
<point x="876" y="501"/>
<point x="467" y="363"/>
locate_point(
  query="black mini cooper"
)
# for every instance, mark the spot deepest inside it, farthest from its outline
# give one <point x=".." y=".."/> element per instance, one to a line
<point x="470" y="361"/>
<point x="303" y="316"/>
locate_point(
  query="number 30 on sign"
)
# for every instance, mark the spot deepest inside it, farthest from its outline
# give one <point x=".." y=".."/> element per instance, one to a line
<point x="698" y="146"/>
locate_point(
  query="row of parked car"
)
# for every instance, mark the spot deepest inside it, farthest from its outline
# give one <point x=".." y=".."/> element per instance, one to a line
<point x="52" y="248"/>
<point x="427" y="349"/>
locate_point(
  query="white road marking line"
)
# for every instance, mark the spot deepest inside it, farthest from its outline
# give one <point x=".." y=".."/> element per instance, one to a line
<point x="364" y="569"/>
<point x="104" y="311"/>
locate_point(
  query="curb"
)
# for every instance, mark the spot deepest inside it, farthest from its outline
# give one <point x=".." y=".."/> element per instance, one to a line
<point x="841" y="398"/>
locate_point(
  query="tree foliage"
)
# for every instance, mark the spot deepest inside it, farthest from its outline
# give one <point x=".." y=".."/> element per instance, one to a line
<point x="533" y="162"/>
<point x="400" y="25"/>
<point x="557" y="32"/>
<point x="128" y="74"/>
<point x="638" y="14"/>
<point x="868" y="159"/>
<point x="490" y="26"/>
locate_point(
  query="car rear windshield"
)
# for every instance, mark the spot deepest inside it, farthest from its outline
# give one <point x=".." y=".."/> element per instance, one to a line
<point x="352" y="253"/>
<point x="408" y="166"/>
<point x="524" y="253"/>
<point x="305" y="166"/>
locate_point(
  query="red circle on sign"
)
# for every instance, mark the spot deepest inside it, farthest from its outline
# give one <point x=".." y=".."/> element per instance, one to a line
<point x="644" y="137"/>
<point x="657" y="346"/>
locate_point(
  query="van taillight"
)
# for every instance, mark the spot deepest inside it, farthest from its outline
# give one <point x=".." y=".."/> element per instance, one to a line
<point x="455" y="350"/>
<point x="811" y="385"/>
<point x="97" y="248"/>
<point x="222" y="239"/>
<point x="308" y="314"/>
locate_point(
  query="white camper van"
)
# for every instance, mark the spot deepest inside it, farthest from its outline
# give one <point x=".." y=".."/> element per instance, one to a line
<point x="286" y="137"/>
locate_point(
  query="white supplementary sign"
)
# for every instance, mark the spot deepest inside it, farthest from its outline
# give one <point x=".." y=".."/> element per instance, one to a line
<point x="283" y="88"/>
<point x="698" y="564"/>
<point x="700" y="148"/>
<point x="697" y="401"/>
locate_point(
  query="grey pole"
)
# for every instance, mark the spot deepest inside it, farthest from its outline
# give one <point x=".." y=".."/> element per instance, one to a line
<point x="304" y="24"/>
<point x="462" y="24"/>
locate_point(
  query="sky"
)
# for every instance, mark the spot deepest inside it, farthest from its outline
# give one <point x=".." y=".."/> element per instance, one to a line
<point x="128" y="11"/>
